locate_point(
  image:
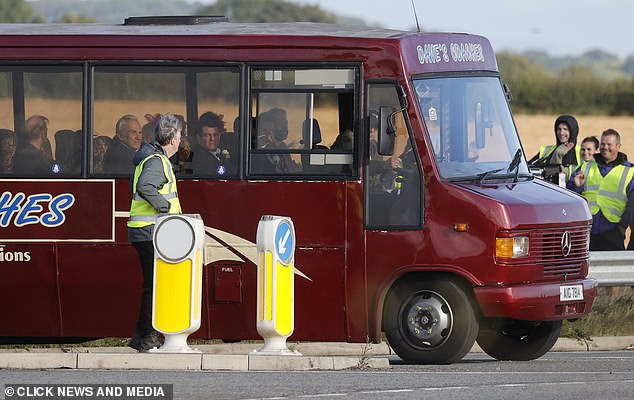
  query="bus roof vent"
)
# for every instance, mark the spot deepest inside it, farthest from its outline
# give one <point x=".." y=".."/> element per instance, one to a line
<point x="175" y="20"/>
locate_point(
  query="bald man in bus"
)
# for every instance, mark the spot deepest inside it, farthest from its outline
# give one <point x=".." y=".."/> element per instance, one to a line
<point x="128" y="138"/>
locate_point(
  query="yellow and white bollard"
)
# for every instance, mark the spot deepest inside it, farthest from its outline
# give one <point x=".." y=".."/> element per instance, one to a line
<point x="178" y="268"/>
<point x="276" y="259"/>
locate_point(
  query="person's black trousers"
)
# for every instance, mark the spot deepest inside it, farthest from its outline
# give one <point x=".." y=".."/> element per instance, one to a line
<point x="610" y="240"/>
<point x="146" y="256"/>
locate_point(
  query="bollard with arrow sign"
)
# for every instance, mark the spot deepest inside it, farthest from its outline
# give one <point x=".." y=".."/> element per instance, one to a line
<point x="276" y="251"/>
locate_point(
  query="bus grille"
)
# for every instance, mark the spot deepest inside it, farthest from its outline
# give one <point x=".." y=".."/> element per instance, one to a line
<point x="546" y="249"/>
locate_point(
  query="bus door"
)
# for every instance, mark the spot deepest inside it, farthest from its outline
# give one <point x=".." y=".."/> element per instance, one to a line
<point x="393" y="189"/>
<point x="295" y="167"/>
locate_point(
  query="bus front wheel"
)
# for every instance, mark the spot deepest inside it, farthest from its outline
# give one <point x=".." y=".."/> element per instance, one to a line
<point x="514" y="340"/>
<point x="429" y="321"/>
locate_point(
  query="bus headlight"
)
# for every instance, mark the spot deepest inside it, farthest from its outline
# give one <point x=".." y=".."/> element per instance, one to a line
<point x="513" y="247"/>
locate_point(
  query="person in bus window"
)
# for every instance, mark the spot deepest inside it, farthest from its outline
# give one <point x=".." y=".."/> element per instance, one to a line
<point x="153" y="192"/>
<point x="272" y="131"/>
<point x="7" y="150"/>
<point x="68" y="151"/>
<point x="344" y="140"/>
<point x="589" y="147"/>
<point x="128" y="138"/>
<point x="208" y="157"/>
<point x="31" y="155"/>
<point x="381" y="169"/>
<point x="100" y="146"/>
<point x="147" y="131"/>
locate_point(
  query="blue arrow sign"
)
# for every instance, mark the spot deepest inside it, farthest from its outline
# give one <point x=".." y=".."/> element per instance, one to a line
<point x="284" y="242"/>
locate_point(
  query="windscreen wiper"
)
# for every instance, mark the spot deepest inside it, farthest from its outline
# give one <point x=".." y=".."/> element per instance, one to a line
<point x="485" y="175"/>
<point x="515" y="164"/>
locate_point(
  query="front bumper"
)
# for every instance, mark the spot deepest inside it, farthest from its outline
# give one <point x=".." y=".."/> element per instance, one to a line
<point x="535" y="302"/>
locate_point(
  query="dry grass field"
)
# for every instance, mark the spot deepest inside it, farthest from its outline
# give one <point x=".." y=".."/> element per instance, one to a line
<point x="537" y="130"/>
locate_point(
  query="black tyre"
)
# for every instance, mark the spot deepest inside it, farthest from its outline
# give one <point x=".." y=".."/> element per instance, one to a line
<point x="429" y="321"/>
<point x="517" y="340"/>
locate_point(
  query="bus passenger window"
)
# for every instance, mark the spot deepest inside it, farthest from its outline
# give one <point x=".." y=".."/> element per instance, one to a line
<point x="215" y="139"/>
<point x="48" y="100"/>
<point x="128" y="100"/>
<point x="299" y="115"/>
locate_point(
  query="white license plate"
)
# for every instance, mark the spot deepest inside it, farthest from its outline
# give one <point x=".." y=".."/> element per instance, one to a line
<point x="572" y="292"/>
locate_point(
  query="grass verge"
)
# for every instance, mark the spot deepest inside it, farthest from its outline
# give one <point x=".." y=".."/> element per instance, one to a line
<point x="612" y="315"/>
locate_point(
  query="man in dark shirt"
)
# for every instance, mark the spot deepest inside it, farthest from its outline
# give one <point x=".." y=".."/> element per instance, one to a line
<point x="118" y="158"/>
<point x="31" y="157"/>
<point x="208" y="158"/>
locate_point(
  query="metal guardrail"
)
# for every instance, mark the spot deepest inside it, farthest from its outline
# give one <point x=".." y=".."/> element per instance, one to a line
<point x="612" y="268"/>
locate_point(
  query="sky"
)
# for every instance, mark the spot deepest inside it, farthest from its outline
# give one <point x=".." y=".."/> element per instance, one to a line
<point x="559" y="27"/>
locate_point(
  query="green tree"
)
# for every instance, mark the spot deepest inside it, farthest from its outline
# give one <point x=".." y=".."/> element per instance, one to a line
<point x="72" y="18"/>
<point x="623" y="91"/>
<point x="15" y="11"/>
<point x="578" y="89"/>
<point x="528" y="82"/>
<point x="628" y="66"/>
<point x="267" y="11"/>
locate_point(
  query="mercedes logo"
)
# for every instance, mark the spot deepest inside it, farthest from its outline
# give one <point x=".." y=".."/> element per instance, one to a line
<point x="566" y="244"/>
<point x="563" y="211"/>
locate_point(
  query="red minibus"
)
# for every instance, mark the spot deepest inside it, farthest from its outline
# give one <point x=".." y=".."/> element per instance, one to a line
<point x="394" y="154"/>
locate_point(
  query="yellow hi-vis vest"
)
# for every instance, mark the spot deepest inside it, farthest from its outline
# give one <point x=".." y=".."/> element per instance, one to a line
<point x="141" y="212"/>
<point x="545" y="151"/>
<point x="607" y="193"/>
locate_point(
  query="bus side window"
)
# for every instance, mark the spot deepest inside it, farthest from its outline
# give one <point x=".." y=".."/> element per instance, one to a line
<point x="45" y="100"/>
<point x="392" y="182"/>
<point x="316" y="138"/>
<point x="129" y="99"/>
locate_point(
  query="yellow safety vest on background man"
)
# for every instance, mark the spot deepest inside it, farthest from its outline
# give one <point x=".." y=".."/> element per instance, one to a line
<point x="545" y="151"/>
<point x="141" y="212"/>
<point x="607" y="193"/>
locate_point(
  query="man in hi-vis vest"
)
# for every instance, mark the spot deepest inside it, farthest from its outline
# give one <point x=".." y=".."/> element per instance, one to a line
<point x="608" y="186"/>
<point x="153" y="192"/>
<point x="565" y="153"/>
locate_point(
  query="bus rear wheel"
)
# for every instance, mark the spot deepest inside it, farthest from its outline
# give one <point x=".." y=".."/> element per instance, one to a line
<point x="429" y="321"/>
<point x="515" y="340"/>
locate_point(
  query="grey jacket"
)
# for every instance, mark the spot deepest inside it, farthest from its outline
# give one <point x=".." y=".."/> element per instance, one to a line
<point x="150" y="181"/>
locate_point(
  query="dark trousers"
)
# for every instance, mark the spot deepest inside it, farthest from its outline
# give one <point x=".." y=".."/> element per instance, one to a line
<point x="146" y="256"/>
<point x="610" y="240"/>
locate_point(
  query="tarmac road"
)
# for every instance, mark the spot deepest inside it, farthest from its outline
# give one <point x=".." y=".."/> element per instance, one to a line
<point x="324" y="370"/>
<point x="557" y="375"/>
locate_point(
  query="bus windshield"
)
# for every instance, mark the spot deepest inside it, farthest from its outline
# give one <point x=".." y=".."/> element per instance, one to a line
<point x="470" y="128"/>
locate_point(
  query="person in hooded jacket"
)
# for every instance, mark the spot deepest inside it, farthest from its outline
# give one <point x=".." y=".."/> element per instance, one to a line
<point x="565" y="154"/>
<point x="153" y="192"/>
